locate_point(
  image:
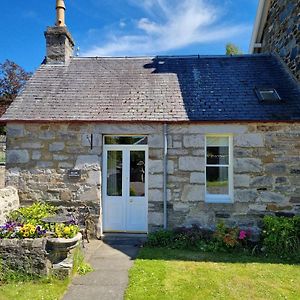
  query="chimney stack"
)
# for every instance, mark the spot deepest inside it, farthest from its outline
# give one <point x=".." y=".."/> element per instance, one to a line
<point x="59" y="42"/>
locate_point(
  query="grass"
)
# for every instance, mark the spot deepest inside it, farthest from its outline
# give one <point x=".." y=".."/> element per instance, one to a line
<point x="39" y="289"/>
<point x="16" y="286"/>
<point x="179" y="274"/>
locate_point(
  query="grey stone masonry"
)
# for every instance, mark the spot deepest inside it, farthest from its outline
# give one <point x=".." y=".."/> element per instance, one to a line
<point x="282" y="33"/>
<point x="9" y="201"/>
<point x="266" y="168"/>
<point x="59" y="45"/>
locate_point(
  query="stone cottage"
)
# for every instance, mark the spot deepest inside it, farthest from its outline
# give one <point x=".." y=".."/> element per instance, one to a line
<point x="277" y="29"/>
<point x="157" y="142"/>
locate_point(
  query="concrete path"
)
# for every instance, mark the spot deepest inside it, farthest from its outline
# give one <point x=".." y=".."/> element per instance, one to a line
<point x="111" y="262"/>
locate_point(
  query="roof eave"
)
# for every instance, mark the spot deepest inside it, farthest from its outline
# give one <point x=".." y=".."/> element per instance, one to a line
<point x="260" y="21"/>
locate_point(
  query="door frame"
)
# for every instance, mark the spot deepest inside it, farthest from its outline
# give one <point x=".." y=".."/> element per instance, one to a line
<point x="119" y="147"/>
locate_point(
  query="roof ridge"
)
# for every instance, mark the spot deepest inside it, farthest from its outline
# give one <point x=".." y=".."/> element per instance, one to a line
<point x="172" y="56"/>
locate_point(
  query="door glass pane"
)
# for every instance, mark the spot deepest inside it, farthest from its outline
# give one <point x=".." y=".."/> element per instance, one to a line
<point x="217" y="155"/>
<point x="217" y="180"/>
<point x="114" y="173"/>
<point x="126" y="140"/>
<point x="137" y="173"/>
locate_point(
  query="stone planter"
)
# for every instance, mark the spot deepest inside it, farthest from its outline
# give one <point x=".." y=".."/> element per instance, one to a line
<point x="59" y="248"/>
<point x="27" y="256"/>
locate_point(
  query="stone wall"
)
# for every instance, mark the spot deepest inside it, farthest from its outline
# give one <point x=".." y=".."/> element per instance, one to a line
<point x="266" y="173"/>
<point x="9" y="200"/>
<point x="282" y="33"/>
<point x="266" y="168"/>
<point x="27" y="256"/>
<point x="39" y="157"/>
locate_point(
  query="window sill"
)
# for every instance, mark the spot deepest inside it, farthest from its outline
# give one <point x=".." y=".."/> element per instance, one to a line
<point x="218" y="199"/>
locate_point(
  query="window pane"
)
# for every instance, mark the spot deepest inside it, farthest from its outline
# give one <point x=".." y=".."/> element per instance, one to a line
<point x="217" y="141"/>
<point x="114" y="173"/>
<point x="126" y="140"/>
<point x="217" y="155"/>
<point x="217" y="180"/>
<point x="137" y="173"/>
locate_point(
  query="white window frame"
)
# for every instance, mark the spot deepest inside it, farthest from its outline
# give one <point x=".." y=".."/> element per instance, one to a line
<point x="214" y="198"/>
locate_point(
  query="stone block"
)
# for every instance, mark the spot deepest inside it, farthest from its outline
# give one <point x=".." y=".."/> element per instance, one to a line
<point x="94" y="178"/>
<point x="193" y="141"/>
<point x="57" y="146"/>
<point x="262" y="181"/>
<point x="9" y="201"/>
<point x="36" y="155"/>
<point x="60" y="157"/>
<point x="155" y="181"/>
<point x="44" y="164"/>
<point x="91" y="195"/>
<point x="88" y="162"/>
<point x="181" y="207"/>
<point x="156" y="218"/>
<point x="15" y="130"/>
<point x="66" y="195"/>
<point x="170" y="167"/>
<point x="190" y="163"/>
<point x="35" y="145"/>
<point x="156" y="141"/>
<point x="245" y="195"/>
<point x="197" y="177"/>
<point x="247" y="165"/>
<point x="249" y="140"/>
<point x="155" y="195"/>
<point x="17" y="156"/>
<point x="276" y="169"/>
<point x="193" y="193"/>
<point x="241" y="180"/>
<point x="272" y="197"/>
<point x="155" y="166"/>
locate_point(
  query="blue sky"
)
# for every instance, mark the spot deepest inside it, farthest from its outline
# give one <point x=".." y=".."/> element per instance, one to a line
<point x="127" y="27"/>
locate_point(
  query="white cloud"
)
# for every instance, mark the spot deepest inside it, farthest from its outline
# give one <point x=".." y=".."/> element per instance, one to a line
<point x="173" y="24"/>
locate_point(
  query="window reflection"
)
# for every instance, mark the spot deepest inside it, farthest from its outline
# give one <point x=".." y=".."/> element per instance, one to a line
<point x="126" y="140"/>
<point x="137" y="173"/>
<point x="114" y="173"/>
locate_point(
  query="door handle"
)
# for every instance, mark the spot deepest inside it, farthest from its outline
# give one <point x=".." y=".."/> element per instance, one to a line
<point x="130" y="201"/>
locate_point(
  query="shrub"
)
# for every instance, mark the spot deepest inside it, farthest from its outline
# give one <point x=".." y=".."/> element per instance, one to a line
<point x="281" y="236"/>
<point x="32" y="214"/>
<point x="161" y="238"/>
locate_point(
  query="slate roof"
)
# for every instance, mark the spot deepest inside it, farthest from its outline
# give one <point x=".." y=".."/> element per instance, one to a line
<point x="167" y="89"/>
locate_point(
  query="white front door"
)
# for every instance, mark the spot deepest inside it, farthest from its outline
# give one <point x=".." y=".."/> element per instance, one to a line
<point x="125" y="178"/>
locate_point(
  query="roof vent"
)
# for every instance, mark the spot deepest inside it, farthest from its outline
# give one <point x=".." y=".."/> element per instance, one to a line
<point x="269" y="95"/>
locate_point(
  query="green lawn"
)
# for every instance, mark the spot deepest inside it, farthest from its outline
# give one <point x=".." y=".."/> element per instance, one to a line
<point x="177" y="274"/>
<point x="47" y="289"/>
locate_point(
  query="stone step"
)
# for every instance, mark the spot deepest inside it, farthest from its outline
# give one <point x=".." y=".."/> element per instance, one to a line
<point x="124" y="239"/>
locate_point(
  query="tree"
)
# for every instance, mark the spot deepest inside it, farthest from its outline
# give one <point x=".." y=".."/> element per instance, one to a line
<point x="232" y="49"/>
<point x="12" y="81"/>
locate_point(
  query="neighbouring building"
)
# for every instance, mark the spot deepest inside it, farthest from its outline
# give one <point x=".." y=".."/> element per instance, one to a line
<point x="157" y="142"/>
<point x="277" y="29"/>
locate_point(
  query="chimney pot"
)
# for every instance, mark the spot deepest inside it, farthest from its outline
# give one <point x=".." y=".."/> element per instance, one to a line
<point x="60" y="13"/>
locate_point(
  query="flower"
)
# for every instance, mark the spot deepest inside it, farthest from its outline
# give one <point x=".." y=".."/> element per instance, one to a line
<point x="242" y="235"/>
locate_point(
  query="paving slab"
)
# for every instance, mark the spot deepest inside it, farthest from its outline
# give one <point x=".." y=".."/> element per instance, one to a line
<point x="111" y="262"/>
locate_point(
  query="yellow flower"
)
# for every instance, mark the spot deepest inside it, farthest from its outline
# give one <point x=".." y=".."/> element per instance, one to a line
<point x="67" y="230"/>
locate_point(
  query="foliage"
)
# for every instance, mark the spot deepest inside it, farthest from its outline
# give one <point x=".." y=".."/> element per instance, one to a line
<point x="232" y="49"/>
<point x="33" y="214"/>
<point x="26" y="222"/>
<point x="65" y="230"/>
<point x="180" y="238"/>
<point x="281" y="236"/>
<point x="80" y="267"/>
<point x="224" y="238"/>
<point x="12" y="80"/>
<point x="13" y="230"/>
<point x="160" y="273"/>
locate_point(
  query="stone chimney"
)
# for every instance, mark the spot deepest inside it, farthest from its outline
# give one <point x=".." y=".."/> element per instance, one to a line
<point x="59" y="42"/>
